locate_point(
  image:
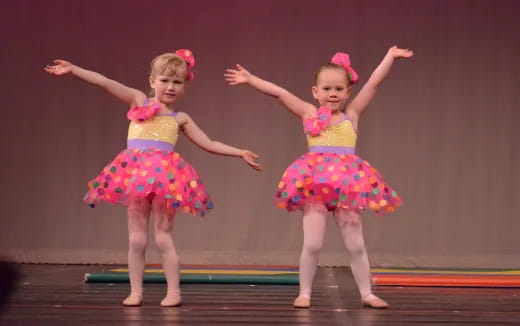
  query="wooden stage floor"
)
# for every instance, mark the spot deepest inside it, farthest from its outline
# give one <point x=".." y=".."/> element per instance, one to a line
<point x="56" y="295"/>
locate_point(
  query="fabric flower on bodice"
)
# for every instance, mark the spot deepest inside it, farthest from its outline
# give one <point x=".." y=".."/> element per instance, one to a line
<point x="142" y="113"/>
<point x="314" y="126"/>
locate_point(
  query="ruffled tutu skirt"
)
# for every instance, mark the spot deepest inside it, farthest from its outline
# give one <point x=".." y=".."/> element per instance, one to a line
<point x="336" y="181"/>
<point x="150" y="173"/>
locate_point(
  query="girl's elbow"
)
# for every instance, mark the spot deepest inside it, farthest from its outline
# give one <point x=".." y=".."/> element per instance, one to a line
<point x="283" y="93"/>
<point x="208" y="146"/>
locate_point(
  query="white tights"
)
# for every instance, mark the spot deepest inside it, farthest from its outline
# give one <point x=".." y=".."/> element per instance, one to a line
<point x="138" y="217"/>
<point x="351" y="228"/>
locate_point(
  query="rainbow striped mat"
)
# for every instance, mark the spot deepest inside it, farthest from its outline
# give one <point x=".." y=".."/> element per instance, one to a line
<point x="288" y="275"/>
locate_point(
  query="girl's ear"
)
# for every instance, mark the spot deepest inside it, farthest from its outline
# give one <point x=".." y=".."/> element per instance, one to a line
<point x="315" y="92"/>
<point x="151" y="80"/>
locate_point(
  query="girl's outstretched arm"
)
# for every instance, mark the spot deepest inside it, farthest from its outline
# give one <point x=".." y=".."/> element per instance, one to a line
<point x="293" y="103"/>
<point x="368" y="91"/>
<point x="198" y="137"/>
<point x="126" y="94"/>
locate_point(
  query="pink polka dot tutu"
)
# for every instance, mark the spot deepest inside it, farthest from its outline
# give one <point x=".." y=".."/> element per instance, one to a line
<point x="335" y="180"/>
<point x="149" y="173"/>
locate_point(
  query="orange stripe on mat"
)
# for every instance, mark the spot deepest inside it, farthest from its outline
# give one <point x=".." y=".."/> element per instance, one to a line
<point x="422" y="280"/>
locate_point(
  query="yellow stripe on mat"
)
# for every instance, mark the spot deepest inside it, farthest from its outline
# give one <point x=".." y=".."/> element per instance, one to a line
<point x="212" y="271"/>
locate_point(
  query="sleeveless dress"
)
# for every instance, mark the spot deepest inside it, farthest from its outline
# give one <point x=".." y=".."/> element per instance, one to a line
<point x="150" y="167"/>
<point x="330" y="173"/>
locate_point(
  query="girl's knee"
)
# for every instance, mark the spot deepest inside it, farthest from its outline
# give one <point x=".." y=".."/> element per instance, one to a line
<point x="357" y="249"/>
<point x="163" y="240"/>
<point x="312" y="248"/>
<point x="137" y="241"/>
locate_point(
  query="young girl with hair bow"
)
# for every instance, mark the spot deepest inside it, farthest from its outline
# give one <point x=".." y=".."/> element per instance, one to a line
<point x="149" y="176"/>
<point x="330" y="176"/>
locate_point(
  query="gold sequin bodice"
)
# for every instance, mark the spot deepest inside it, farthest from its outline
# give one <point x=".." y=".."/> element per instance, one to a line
<point x="340" y="134"/>
<point x="162" y="128"/>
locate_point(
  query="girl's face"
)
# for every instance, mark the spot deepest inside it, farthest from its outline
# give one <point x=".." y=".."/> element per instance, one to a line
<point x="332" y="89"/>
<point x="167" y="88"/>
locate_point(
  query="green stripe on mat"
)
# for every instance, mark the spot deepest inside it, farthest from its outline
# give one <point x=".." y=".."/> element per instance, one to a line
<point x="111" y="277"/>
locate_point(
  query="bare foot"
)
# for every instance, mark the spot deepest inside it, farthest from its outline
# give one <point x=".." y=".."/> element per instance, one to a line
<point x="171" y="300"/>
<point x="302" y="301"/>
<point x="133" y="300"/>
<point x="372" y="301"/>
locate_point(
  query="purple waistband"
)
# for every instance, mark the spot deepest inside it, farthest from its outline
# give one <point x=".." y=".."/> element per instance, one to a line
<point x="149" y="144"/>
<point x="333" y="149"/>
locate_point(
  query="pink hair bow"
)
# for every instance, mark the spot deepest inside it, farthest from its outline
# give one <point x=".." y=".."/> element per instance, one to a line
<point x="187" y="55"/>
<point x="314" y="126"/>
<point x="343" y="59"/>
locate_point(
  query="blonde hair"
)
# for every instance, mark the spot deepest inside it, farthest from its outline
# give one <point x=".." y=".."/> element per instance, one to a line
<point x="169" y="64"/>
<point x="330" y="65"/>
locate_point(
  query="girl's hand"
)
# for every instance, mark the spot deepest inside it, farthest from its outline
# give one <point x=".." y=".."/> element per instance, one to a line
<point x="249" y="157"/>
<point x="60" y="68"/>
<point x="238" y="76"/>
<point x="397" y="53"/>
